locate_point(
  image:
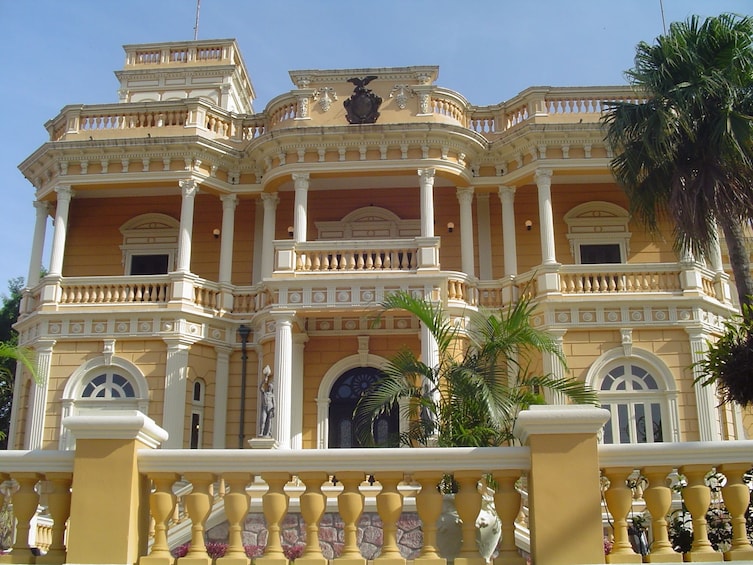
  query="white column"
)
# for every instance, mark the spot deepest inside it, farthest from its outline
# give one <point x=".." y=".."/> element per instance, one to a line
<point x="221" y="379"/>
<point x="706" y="400"/>
<point x="553" y="366"/>
<point x="426" y="181"/>
<point x="258" y="240"/>
<point x="283" y="377"/>
<point x="270" y="200"/>
<point x="429" y="349"/>
<point x="484" y="236"/>
<point x="715" y="257"/>
<point x="189" y="188"/>
<point x="301" y="182"/>
<point x="37" y="247"/>
<point x="465" y="200"/>
<point x="38" y="402"/>
<point x="65" y="194"/>
<point x="546" y="217"/>
<point x="229" y="202"/>
<point x="296" y="423"/>
<point x="174" y="404"/>
<point x="509" y="240"/>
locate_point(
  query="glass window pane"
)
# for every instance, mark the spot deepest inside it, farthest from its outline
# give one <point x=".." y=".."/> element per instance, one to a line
<point x="624" y="423"/>
<point x="640" y="423"/>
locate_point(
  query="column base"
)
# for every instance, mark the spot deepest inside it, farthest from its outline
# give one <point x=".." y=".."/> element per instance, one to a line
<point x="271" y="561"/>
<point x="24" y="556"/>
<point x="232" y="561"/>
<point x="745" y="554"/>
<point x="509" y="558"/>
<point x="389" y="561"/>
<point x="157" y="560"/>
<point x="263" y="443"/>
<point x="430" y="561"/>
<point x="672" y="557"/>
<point x="704" y="557"/>
<point x="201" y="560"/>
<point x="470" y="561"/>
<point x="349" y="561"/>
<point x="311" y="561"/>
<point x="624" y="558"/>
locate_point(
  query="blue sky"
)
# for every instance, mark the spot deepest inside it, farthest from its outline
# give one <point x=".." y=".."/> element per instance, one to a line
<point x="59" y="52"/>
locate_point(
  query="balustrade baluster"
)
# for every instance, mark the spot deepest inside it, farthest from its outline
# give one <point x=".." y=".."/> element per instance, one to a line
<point x="350" y="505"/>
<point x="275" y="507"/>
<point x="198" y="507"/>
<point x="236" y="507"/>
<point x="736" y="497"/>
<point x="389" y="506"/>
<point x="468" y="505"/>
<point x="313" y="504"/>
<point x="25" y="501"/>
<point x="697" y="496"/>
<point x="507" y="503"/>
<point x="162" y="505"/>
<point x="619" y="499"/>
<point x="658" y="497"/>
<point x="59" y="507"/>
<point x="360" y="261"/>
<point x="429" y="507"/>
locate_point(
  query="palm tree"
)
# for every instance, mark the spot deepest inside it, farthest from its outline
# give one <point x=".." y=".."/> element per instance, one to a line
<point x="685" y="150"/>
<point x="12" y="352"/>
<point x="482" y="380"/>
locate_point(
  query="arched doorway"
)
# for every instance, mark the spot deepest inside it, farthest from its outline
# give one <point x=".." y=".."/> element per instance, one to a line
<point x="343" y="397"/>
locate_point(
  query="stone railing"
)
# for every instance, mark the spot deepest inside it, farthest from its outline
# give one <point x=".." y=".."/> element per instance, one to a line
<point x="174" y="117"/>
<point x="388" y="255"/>
<point x="115" y="290"/>
<point x="614" y="278"/>
<point x="566" y="474"/>
<point x="693" y="478"/>
<point x="536" y="105"/>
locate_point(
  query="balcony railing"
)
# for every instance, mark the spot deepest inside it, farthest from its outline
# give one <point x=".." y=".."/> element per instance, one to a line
<point x="546" y="105"/>
<point x="304" y="484"/>
<point x="322" y="274"/>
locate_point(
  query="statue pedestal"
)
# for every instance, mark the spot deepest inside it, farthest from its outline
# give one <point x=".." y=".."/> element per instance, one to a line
<point x="263" y="443"/>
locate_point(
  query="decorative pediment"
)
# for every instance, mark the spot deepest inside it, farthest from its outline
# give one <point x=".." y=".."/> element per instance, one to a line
<point x="369" y="222"/>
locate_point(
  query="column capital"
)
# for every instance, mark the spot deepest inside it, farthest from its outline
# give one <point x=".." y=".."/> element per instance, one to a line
<point x="42" y="206"/>
<point x="285" y="317"/>
<point x="177" y="343"/>
<point x="506" y="192"/>
<point x="427" y="175"/>
<point x="229" y="201"/>
<point x="300" y="180"/>
<point x="270" y="198"/>
<point x="543" y="175"/>
<point x="697" y="332"/>
<point x="44" y="345"/>
<point x="465" y="195"/>
<point x="64" y="192"/>
<point x="188" y="187"/>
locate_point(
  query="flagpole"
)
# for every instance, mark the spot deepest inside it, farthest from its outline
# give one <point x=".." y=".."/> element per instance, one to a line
<point x="196" y="25"/>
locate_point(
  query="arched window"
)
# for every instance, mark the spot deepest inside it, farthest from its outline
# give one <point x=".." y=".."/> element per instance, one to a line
<point x="344" y="396"/>
<point x="103" y="384"/>
<point x="640" y="398"/>
<point x="598" y="233"/>
<point x="150" y="244"/>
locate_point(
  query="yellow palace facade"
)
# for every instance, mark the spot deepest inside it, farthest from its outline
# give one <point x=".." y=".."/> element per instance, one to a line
<point x="196" y="242"/>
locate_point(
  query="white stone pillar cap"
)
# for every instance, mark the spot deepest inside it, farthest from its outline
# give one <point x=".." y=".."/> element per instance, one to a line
<point x="558" y="419"/>
<point x="116" y="424"/>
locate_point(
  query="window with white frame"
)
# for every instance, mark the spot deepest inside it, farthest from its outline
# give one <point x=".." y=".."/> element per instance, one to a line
<point x="103" y="383"/>
<point x="640" y="406"/>
<point x="598" y="233"/>
<point x="150" y="244"/>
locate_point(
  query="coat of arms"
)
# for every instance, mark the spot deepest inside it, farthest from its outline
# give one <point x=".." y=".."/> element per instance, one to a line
<point x="363" y="105"/>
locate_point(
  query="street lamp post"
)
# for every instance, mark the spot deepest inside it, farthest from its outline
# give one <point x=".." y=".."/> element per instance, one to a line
<point x="244" y="331"/>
